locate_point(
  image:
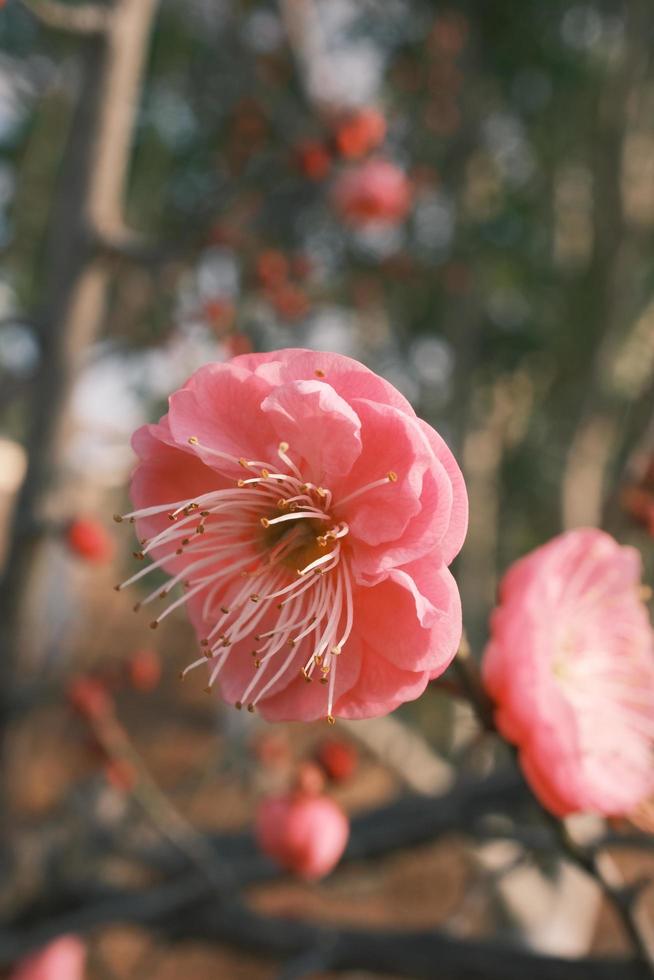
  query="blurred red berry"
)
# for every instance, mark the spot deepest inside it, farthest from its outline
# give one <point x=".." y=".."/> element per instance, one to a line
<point x="375" y="191"/>
<point x="237" y="343"/>
<point x="313" y="159"/>
<point x="89" y="697"/>
<point x="290" y="302"/>
<point x="89" y="539"/>
<point x="304" y="834"/>
<point x="144" y="669"/>
<point x="219" y="313"/>
<point x="338" y="758"/>
<point x="272" y="268"/>
<point x="309" y="779"/>
<point x="359" y="133"/>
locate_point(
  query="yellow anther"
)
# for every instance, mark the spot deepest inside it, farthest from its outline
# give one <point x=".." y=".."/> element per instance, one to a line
<point x="138" y="555"/>
<point x="193" y="441"/>
<point x="257" y="663"/>
<point x="118" y="518"/>
<point x="255" y="597"/>
<point x="265" y="522"/>
<point x="265" y="474"/>
<point x="392" y="476"/>
<point x="336" y="651"/>
<point x="331" y="720"/>
<point x="283" y="447"/>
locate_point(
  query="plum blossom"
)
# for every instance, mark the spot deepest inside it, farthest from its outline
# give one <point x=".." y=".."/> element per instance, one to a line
<point x="306" y="834"/>
<point x="376" y="191"/>
<point x="309" y="517"/>
<point x="62" y="959"/>
<point x="570" y="666"/>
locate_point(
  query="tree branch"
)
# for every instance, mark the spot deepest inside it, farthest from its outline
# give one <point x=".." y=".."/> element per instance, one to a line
<point x="85" y="18"/>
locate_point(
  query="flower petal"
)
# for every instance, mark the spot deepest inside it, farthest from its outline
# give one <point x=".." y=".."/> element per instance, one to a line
<point x="319" y="426"/>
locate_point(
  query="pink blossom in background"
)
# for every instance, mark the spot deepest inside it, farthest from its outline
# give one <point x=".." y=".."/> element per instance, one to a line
<point x="310" y="517"/>
<point x="304" y="834"/>
<point x="570" y="666"/>
<point x="62" y="959"/>
<point x="376" y="191"/>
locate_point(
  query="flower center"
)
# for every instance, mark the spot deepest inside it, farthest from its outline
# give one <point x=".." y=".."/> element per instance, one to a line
<point x="265" y="561"/>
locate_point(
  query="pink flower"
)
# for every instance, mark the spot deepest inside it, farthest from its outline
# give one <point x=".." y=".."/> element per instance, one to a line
<point x="310" y="517"/>
<point x="376" y="191"/>
<point x="570" y="666"/>
<point x="62" y="959"/>
<point x="305" y="834"/>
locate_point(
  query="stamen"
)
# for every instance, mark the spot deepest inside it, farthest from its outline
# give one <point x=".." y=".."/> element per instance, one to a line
<point x="391" y="477"/>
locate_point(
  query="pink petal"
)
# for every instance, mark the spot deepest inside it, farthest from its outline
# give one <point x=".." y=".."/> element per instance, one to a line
<point x="221" y="406"/>
<point x="319" y="426"/>
<point x="412" y="617"/>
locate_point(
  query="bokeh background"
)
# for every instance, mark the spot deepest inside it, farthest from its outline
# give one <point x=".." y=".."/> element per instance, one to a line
<point x="174" y="182"/>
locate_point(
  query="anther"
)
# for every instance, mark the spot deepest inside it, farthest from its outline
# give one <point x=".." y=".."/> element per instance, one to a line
<point x="305" y="675"/>
<point x="207" y="690"/>
<point x="392" y="476"/>
<point x="265" y="474"/>
<point x="204" y="643"/>
<point x="255" y="597"/>
<point x="257" y="663"/>
<point x="180" y="551"/>
<point x="136" y="606"/>
<point x="319" y="373"/>
<point x="193" y="441"/>
<point x="238" y="705"/>
<point x="331" y="720"/>
<point x="251" y="708"/>
<point x="224" y="610"/>
<point x="118" y="518"/>
<point x="117" y="588"/>
<point x="265" y="522"/>
<point x="138" y="555"/>
<point x="154" y="624"/>
<point x="324" y="680"/>
<point x="244" y="463"/>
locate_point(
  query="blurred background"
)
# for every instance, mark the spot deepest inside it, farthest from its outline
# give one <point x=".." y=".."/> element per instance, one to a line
<point x="460" y="195"/>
